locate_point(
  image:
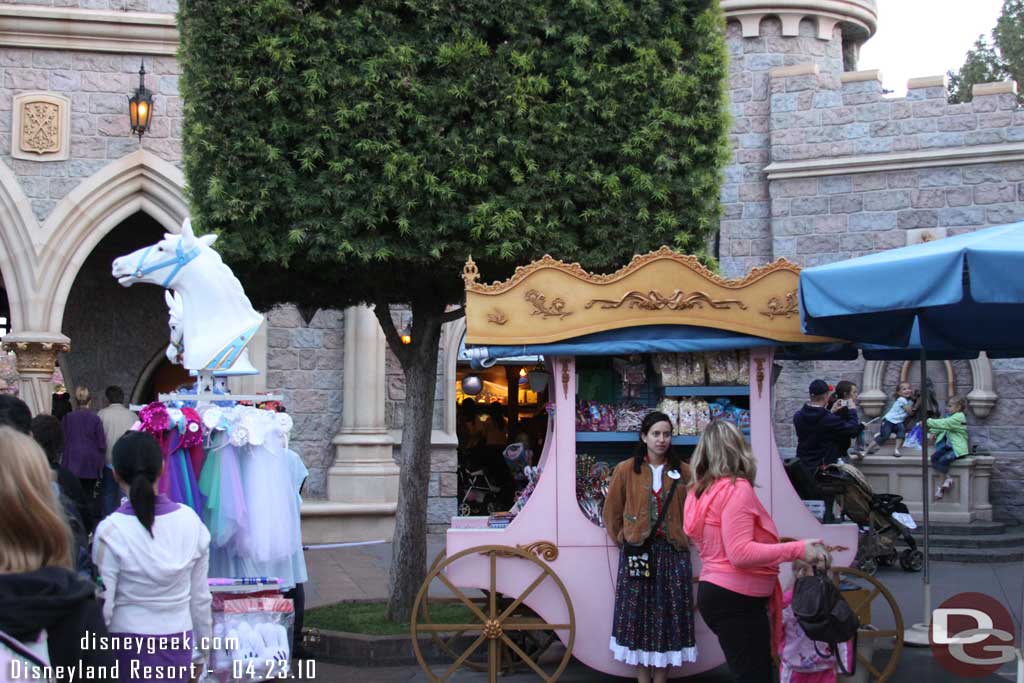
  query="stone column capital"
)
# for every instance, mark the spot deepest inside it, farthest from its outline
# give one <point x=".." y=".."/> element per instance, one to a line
<point x="36" y="358"/>
<point x="36" y="351"/>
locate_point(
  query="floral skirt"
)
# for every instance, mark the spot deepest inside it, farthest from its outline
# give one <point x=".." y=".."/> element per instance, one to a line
<point x="654" y="621"/>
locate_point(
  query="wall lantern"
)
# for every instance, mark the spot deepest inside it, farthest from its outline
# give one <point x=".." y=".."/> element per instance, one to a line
<point x="407" y="334"/>
<point x="140" y="105"/>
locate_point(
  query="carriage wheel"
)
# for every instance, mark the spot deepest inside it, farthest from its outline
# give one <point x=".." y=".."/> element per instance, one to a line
<point x="446" y="641"/>
<point x="502" y="631"/>
<point x="861" y="606"/>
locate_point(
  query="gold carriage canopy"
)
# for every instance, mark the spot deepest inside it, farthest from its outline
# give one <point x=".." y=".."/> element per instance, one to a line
<point x="549" y="300"/>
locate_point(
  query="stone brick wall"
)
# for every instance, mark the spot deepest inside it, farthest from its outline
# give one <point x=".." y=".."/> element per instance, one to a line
<point x="98" y="86"/>
<point x="305" y="363"/>
<point x="825" y="167"/>
<point x="746" y="230"/>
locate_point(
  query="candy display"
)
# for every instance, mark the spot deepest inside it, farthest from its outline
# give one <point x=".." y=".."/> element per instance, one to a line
<point x="629" y="417"/>
<point x="532" y="475"/>
<point x="592" y="416"/>
<point x="702" y="413"/>
<point x="723" y="409"/>
<point x="666" y="365"/>
<point x="592" y="480"/>
<point x="732" y="362"/>
<point x="670" y="407"/>
<point x="687" y="423"/>
<point x="718" y="367"/>
<point x="634" y="374"/>
<point x="743" y="372"/>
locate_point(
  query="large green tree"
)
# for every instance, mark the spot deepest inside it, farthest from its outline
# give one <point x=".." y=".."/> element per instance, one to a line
<point x="1000" y="59"/>
<point x="354" y="152"/>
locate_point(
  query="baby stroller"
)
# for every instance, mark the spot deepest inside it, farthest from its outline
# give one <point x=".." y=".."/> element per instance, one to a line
<point x="479" y="495"/>
<point x="881" y="531"/>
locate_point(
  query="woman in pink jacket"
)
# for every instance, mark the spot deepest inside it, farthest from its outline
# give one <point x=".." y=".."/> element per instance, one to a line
<point x="739" y="595"/>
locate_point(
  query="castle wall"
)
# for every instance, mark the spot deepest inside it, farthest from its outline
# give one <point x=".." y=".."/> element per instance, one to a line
<point x="825" y="168"/>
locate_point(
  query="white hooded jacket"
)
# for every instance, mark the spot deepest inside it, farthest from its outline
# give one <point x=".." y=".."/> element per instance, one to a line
<point x="155" y="585"/>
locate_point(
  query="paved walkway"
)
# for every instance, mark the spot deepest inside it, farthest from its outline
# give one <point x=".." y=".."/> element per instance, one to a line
<point x="360" y="573"/>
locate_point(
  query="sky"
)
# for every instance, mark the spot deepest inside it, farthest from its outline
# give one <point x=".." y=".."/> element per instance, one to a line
<point x="925" y="37"/>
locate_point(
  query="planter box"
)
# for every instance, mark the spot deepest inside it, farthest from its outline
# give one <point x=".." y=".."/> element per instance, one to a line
<point x="360" y="650"/>
<point x="967" y="501"/>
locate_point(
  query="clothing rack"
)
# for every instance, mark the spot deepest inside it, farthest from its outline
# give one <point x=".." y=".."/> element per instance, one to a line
<point x="208" y="397"/>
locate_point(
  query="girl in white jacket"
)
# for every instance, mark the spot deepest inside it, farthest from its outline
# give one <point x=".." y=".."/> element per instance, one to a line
<point x="153" y="555"/>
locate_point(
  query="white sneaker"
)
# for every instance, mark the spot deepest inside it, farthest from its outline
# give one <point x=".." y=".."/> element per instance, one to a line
<point x="938" y="492"/>
<point x="948" y="484"/>
<point x="896" y="452"/>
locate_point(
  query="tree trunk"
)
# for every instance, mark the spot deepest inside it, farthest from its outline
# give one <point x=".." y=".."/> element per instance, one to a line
<point x="409" y="547"/>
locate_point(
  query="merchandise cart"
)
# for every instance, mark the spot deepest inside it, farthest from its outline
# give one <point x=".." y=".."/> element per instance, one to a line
<point x="550" y="573"/>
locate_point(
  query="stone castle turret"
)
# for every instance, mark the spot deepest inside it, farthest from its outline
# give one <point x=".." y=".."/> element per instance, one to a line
<point x="764" y="36"/>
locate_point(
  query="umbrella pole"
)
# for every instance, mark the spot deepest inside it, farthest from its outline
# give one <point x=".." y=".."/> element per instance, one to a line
<point x="918" y="634"/>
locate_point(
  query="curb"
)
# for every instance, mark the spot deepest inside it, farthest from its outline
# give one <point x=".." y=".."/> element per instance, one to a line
<point x="361" y="650"/>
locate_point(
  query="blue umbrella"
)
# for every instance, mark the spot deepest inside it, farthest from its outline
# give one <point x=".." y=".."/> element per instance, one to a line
<point x="965" y="293"/>
<point x="943" y="299"/>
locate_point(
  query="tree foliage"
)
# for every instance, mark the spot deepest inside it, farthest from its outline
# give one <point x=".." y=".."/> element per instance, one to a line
<point x="1000" y="59"/>
<point x="398" y="137"/>
<point x="353" y="152"/>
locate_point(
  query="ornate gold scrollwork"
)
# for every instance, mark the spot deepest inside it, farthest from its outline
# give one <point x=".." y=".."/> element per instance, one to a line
<point x="656" y="301"/>
<point x="783" y="309"/>
<point x="497" y="317"/>
<point x="539" y="302"/>
<point x="546" y="550"/>
<point x="470" y="273"/>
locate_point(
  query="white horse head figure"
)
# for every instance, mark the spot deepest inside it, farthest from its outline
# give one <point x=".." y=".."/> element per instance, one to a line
<point x="209" y="306"/>
<point x="175" y="315"/>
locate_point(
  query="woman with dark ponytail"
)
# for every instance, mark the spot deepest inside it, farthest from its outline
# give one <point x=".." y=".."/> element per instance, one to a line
<point x="153" y="556"/>
<point x="653" y="624"/>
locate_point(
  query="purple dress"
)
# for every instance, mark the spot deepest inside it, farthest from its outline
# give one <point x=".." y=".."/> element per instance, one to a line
<point x="85" y="445"/>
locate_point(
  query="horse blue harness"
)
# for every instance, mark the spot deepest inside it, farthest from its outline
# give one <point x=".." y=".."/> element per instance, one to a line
<point x="180" y="259"/>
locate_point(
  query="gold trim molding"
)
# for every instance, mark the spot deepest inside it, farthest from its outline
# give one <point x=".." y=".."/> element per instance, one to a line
<point x="550" y="300"/>
<point x="545" y="550"/>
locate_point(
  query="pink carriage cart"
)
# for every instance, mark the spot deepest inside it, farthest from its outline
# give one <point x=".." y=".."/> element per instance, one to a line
<point x="549" y="573"/>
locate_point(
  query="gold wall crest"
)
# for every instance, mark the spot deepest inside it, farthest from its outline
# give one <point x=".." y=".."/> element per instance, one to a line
<point x="41" y="126"/>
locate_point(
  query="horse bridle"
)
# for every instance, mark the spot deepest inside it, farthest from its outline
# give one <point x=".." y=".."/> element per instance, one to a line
<point x="180" y="259"/>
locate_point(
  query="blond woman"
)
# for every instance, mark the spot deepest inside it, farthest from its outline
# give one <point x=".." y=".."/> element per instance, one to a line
<point x="45" y="609"/>
<point x="739" y="595"/>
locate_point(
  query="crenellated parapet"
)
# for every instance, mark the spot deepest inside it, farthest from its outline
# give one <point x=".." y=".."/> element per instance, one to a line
<point x="857" y="18"/>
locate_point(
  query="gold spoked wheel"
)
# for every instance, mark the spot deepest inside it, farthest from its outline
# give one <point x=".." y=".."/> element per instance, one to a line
<point x="866" y="601"/>
<point x="500" y="632"/>
<point x="533" y="643"/>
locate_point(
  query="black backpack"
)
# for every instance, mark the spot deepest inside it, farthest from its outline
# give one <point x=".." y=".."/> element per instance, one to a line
<point x="824" y="615"/>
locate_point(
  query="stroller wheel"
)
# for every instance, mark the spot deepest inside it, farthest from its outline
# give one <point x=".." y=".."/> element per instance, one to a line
<point x="869" y="566"/>
<point x="465" y="510"/>
<point x="912" y="560"/>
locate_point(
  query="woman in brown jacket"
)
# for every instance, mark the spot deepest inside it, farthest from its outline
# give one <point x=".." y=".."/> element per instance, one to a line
<point x="653" y="627"/>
